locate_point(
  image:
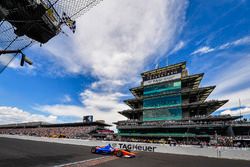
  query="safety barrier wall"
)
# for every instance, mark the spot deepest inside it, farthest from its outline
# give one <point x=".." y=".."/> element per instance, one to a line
<point x="220" y="152"/>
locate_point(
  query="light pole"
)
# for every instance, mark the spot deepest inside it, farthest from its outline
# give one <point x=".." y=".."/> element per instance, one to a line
<point x="23" y="59"/>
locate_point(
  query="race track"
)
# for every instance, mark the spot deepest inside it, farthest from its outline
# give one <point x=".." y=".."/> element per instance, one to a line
<point x="16" y="152"/>
<point x="172" y="160"/>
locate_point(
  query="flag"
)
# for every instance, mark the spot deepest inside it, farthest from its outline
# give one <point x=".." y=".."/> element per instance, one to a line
<point x="69" y="22"/>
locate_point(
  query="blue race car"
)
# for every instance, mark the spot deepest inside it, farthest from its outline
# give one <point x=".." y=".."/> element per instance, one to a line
<point x="108" y="149"/>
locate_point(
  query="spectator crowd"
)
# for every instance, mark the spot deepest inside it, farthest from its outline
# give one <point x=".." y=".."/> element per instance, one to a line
<point x="67" y="132"/>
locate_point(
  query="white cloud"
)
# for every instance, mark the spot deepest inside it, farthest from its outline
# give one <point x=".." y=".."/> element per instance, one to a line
<point x="5" y="59"/>
<point x="101" y="105"/>
<point x="233" y="97"/>
<point x="234" y="74"/>
<point x="66" y="99"/>
<point x="62" y="110"/>
<point x="230" y="73"/>
<point x="203" y="50"/>
<point x="206" y="49"/>
<point x="102" y="101"/>
<point x="113" y="43"/>
<point x="237" y="112"/>
<point x="177" y="47"/>
<point x="15" y="115"/>
<point x="115" y="39"/>
<point x="14" y="63"/>
<point x="231" y="81"/>
<point x="241" y="41"/>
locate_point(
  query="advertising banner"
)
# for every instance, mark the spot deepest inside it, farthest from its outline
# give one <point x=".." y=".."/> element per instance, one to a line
<point x="135" y="147"/>
<point x="162" y="79"/>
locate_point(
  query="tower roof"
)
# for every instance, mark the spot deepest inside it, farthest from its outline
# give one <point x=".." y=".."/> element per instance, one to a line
<point x="181" y="65"/>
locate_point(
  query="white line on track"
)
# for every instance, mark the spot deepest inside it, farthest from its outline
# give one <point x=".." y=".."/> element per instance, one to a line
<point x="77" y="162"/>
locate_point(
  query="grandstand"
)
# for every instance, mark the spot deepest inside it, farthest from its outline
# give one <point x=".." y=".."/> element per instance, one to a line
<point x="170" y="104"/>
<point x="81" y="130"/>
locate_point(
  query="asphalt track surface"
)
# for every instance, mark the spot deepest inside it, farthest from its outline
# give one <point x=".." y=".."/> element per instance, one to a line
<point x="18" y="153"/>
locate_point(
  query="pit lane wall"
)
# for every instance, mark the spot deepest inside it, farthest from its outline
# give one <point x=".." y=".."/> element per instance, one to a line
<point x="220" y="152"/>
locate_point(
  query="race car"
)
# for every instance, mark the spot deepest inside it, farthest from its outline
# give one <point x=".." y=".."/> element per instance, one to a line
<point x="108" y="149"/>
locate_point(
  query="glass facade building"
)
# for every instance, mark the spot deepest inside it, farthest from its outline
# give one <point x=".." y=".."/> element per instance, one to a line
<point x="167" y="96"/>
<point x="162" y="114"/>
<point x="169" y="87"/>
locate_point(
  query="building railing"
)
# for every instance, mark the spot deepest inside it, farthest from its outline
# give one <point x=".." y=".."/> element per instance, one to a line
<point x="176" y="91"/>
<point x="167" y="124"/>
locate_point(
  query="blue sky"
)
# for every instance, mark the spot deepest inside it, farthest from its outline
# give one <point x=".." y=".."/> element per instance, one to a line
<point x="90" y="72"/>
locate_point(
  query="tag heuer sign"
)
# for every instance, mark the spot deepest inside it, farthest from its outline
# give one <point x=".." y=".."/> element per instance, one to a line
<point x="162" y="79"/>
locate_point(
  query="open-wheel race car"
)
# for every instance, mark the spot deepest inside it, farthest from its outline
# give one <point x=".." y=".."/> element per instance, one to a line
<point x="108" y="149"/>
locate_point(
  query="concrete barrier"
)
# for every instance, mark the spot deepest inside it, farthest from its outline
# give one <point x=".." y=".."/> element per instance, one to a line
<point x="220" y="152"/>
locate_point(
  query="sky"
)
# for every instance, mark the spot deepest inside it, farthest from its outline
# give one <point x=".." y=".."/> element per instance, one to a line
<point x="90" y="72"/>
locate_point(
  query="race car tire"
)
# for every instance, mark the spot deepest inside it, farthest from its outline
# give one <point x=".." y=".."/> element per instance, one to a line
<point x="93" y="150"/>
<point x="119" y="153"/>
